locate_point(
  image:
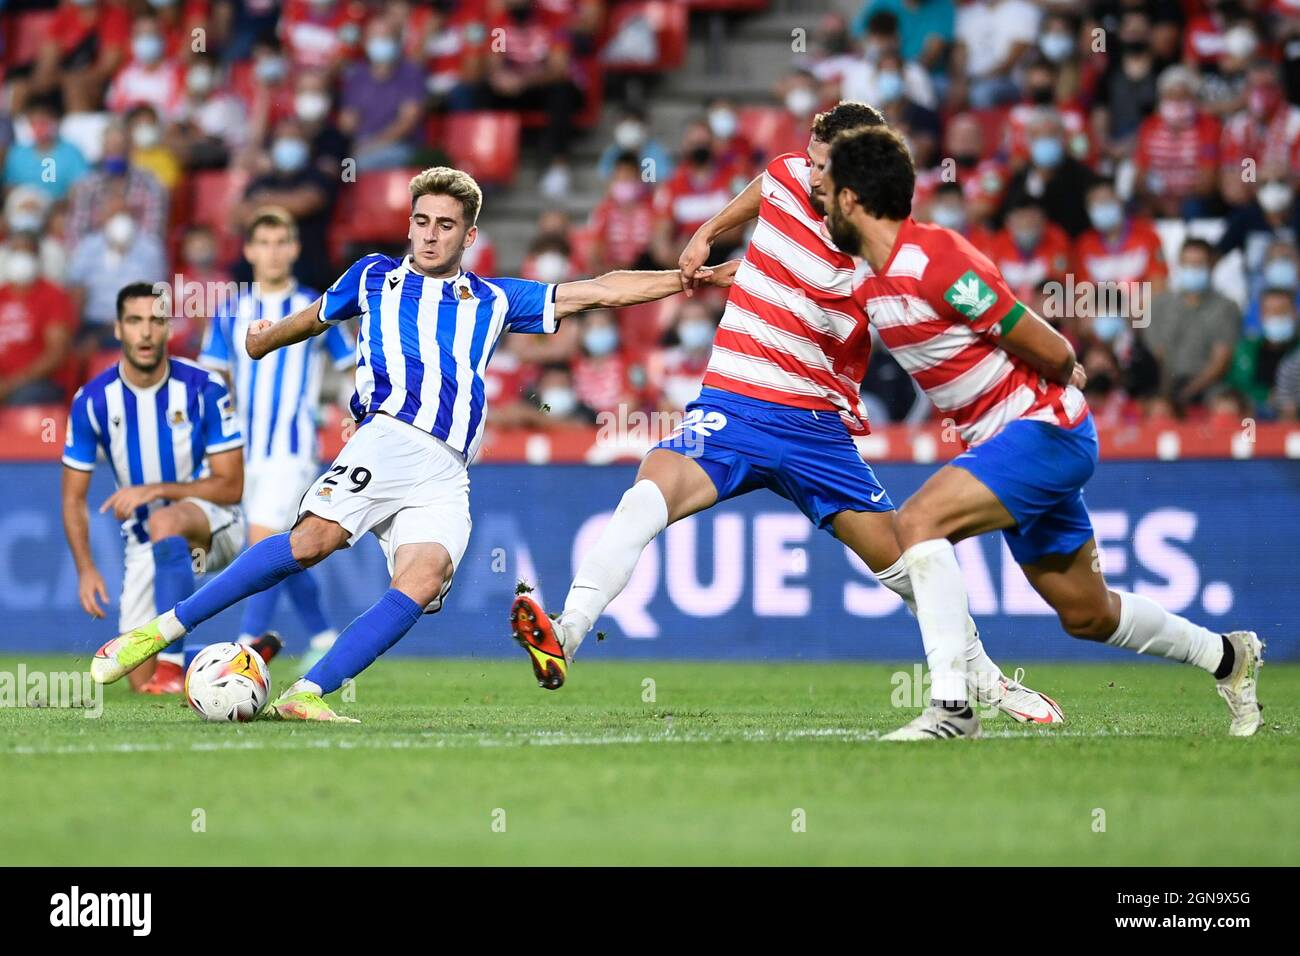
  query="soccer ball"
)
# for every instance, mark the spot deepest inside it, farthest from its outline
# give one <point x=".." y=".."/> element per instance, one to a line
<point x="227" y="682"/>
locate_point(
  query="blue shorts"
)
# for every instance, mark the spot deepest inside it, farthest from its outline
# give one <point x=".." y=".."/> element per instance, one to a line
<point x="805" y="456"/>
<point x="1038" y="470"/>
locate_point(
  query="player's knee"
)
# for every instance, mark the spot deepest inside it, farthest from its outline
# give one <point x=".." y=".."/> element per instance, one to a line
<point x="313" y="541"/>
<point x="914" y="525"/>
<point x="1093" y="621"/>
<point x="165" y="523"/>
<point x="424" y="581"/>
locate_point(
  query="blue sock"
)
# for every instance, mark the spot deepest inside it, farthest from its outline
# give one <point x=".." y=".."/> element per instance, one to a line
<point x="259" y="608"/>
<point x="173" y="578"/>
<point x="268" y="562"/>
<point x="364" y="639"/>
<point x="305" y="596"/>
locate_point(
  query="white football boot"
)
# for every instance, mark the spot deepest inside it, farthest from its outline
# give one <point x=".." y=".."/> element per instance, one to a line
<point x="935" y="723"/>
<point x="1238" y="688"/>
<point x="1020" y="703"/>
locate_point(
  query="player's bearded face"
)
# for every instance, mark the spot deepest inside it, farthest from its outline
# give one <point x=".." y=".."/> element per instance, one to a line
<point x="144" y="331"/>
<point x="843" y="233"/>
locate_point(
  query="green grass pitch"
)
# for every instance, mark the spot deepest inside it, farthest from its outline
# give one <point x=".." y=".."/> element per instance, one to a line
<point x="468" y="762"/>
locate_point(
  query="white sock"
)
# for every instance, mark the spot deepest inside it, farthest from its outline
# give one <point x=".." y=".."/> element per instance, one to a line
<point x="246" y="639"/>
<point x="173" y="658"/>
<point x="303" y="684"/>
<point x="324" y="640"/>
<point x="1147" y="628"/>
<point x="941" y="613"/>
<point x="981" y="670"/>
<point x="170" y="626"/>
<point x="607" y="567"/>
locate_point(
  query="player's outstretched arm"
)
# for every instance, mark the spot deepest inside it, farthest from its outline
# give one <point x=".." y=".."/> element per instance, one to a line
<point x="1032" y="339"/>
<point x="615" y="289"/>
<point x="265" y="336"/>
<point x="740" y="211"/>
<point x="76" y="528"/>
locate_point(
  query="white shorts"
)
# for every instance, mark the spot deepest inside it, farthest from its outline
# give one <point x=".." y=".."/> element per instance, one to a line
<point x="401" y="483"/>
<point x="229" y="534"/>
<point x="273" y="488"/>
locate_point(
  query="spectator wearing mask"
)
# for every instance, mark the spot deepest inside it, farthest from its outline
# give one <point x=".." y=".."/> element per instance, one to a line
<point x="149" y="149"/>
<point x="28" y="163"/>
<point x="151" y="77"/>
<point x="28" y="210"/>
<point x="918" y="125"/>
<point x="117" y="248"/>
<point x="1257" y="359"/>
<point x="549" y="259"/>
<point x="266" y="92"/>
<point x="863" y="78"/>
<point x="927" y="28"/>
<point x="198" y="268"/>
<point x="700" y="187"/>
<point x="322" y="34"/>
<point x="178" y="19"/>
<point x="1193" y="330"/>
<point x="1052" y="178"/>
<point x="1271" y="215"/>
<point x="116" y="179"/>
<point x="675" y="373"/>
<point x="604" y="376"/>
<point x="213" y="124"/>
<point x="1127" y="91"/>
<point x="446" y="38"/>
<point x="1223" y="91"/>
<point x="983" y="179"/>
<point x="1280" y="270"/>
<point x="557" y="400"/>
<point x="1176" y="164"/>
<point x="87" y="42"/>
<point x="1109" y="404"/>
<point x="1266" y="132"/>
<point x="1041" y="84"/>
<point x="731" y="145"/>
<point x="36" y="327"/>
<point x="383" y="102"/>
<point x="1119" y="248"/>
<point x="311" y="105"/>
<point x="992" y="36"/>
<point x="832" y="47"/>
<point x="623" y="222"/>
<point x="1030" y="251"/>
<point x="632" y="135"/>
<point x="297" y="186"/>
<point x="948" y="209"/>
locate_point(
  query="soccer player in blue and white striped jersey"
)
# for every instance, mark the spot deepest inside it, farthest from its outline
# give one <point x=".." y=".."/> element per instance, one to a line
<point x="426" y="332"/>
<point x="278" y="400"/>
<point x="170" y="433"/>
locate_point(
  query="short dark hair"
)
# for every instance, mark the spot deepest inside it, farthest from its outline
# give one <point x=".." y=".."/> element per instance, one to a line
<point x="875" y="163"/>
<point x="1195" y="242"/>
<point x="134" y="290"/>
<point x="844" y="115"/>
<point x="273" y="217"/>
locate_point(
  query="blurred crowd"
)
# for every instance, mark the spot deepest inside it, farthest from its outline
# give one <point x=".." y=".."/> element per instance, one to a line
<point x="1147" y="147"/>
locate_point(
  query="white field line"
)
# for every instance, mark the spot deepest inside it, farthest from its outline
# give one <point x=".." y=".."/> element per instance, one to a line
<point x="432" y="741"/>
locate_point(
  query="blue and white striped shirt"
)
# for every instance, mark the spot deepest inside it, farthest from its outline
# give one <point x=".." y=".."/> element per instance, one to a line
<point x="277" y="396"/>
<point x="423" y="343"/>
<point x="162" y="433"/>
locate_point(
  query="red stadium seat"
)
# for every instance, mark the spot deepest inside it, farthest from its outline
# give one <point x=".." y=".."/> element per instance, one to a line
<point x="485" y="145"/>
<point x="27" y="32"/>
<point x="667" y="19"/>
<point x="375" y="208"/>
<point x="773" y="130"/>
<point x="214" y="193"/>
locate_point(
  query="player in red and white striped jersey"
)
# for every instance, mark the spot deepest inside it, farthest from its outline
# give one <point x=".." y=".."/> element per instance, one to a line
<point x="778" y="409"/>
<point x="1011" y="384"/>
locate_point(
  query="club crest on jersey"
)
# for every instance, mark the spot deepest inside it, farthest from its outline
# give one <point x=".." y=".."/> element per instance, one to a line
<point x="463" y="292"/>
<point x="970" y="296"/>
<point x="324" y="492"/>
<point x="177" y="417"/>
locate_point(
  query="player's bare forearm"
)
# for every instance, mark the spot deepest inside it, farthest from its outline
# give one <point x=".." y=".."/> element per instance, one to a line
<point x="223" y="486"/>
<point x="628" y="287"/>
<point x="741" y="211"/>
<point x="265" y="336"/>
<point x="1037" y="343"/>
<point x="76" y="517"/>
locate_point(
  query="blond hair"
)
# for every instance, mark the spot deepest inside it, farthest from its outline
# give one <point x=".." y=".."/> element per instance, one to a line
<point x="445" y="181"/>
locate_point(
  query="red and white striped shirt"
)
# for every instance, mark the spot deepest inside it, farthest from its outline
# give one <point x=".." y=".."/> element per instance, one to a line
<point x="939" y="304"/>
<point x="792" y="332"/>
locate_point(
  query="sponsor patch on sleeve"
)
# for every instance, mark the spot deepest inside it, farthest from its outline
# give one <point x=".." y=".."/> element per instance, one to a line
<point x="970" y="296"/>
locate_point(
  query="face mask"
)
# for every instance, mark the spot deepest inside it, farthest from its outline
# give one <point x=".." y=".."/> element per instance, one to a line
<point x="601" y="340"/>
<point x="889" y="87"/>
<point x="161" y="4"/>
<point x="1280" y="274"/>
<point x="1177" y="112"/>
<point x="1106" y="216"/>
<point x="624" y="191"/>
<point x="114" y="165"/>
<point x="1026" y="239"/>
<point x="1240" y="43"/>
<point x="722" y="123"/>
<point x="381" y="49"/>
<point x="629" y="134"/>
<point x="21" y="268"/>
<point x="199" y="80"/>
<point x="1274" y="197"/>
<point x="1276" y="328"/>
<point x="1056" y="46"/>
<point x="311" y="106"/>
<point x="1042" y="95"/>
<point x="1100" y="384"/>
<point x="949" y="215"/>
<point x="270" y="70"/>
<point x="204" y="257"/>
<point x="1046" y="152"/>
<point x="289" y="155"/>
<point x="561" y="401"/>
<point x="1193" y="279"/>
<point x="872" y="52"/>
<point x="551" y="267"/>
<point x="24" y="220"/>
<point x="120" y="230"/>
<point x="699" y="155"/>
<point x="801" y="101"/>
<point x="146" y="136"/>
<point x="1107" y="327"/>
<point x="147" y="47"/>
<point x="695" y="336"/>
